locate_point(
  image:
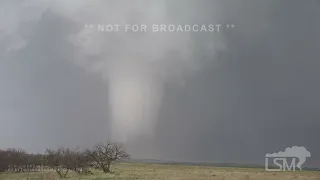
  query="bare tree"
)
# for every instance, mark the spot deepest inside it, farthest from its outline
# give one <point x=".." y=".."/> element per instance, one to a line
<point x="79" y="161"/>
<point x="17" y="158"/>
<point x="64" y="160"/>
<point x="58" y="160"/>
<point x="104" y="154"/>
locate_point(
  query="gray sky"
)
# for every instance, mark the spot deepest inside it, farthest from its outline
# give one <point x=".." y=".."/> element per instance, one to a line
<point x="258" y="93"/>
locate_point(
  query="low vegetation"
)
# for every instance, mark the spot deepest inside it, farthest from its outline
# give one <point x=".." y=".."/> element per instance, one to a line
<point x="103" y="162"/>
<point x="136" y="171"/>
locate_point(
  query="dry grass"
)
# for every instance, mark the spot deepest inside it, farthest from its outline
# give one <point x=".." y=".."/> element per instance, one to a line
<point x="130" y="171"/>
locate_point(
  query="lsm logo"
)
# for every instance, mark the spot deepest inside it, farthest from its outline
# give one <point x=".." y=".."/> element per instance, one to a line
<point x="289" y="160"/>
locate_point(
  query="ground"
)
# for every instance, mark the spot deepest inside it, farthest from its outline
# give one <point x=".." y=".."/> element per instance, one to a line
<point x="135" y="171"/>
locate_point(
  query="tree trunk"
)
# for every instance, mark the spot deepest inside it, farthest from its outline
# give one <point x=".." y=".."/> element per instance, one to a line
<point x="106" y="168"/>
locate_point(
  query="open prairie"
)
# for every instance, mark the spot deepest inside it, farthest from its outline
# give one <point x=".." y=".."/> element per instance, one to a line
<point x="136" y="171"/>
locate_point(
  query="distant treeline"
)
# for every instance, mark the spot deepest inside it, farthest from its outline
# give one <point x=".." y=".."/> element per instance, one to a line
<point x="63" y="160"/>
<point x="11" y="158"/>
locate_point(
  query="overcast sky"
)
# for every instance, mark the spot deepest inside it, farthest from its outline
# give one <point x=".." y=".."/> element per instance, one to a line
<point x="257" y="93"/>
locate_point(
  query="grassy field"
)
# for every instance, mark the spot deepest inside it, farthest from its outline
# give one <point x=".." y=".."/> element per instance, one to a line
<point x="135" y="171"/>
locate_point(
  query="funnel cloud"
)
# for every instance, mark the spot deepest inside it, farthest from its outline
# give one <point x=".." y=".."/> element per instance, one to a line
<point x="137" y="64"/>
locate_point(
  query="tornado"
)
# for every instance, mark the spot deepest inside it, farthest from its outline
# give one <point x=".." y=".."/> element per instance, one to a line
<point x="137" y="66"/>
<point x="134" y="99"/>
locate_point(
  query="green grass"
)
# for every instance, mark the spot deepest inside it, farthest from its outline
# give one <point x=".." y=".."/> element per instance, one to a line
<point x="136" y="171"/>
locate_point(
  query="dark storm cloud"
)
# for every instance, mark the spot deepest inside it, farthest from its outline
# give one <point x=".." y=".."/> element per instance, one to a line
<point x="263" y="95"/>
<point x="48" y="102"/>
<point x="260" y="95"/>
